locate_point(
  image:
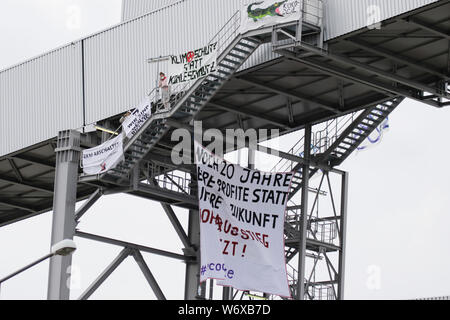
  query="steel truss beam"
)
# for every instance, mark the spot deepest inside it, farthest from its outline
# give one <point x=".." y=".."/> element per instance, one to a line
<point x="245" y="112"/>
<point x="133" y="246"/>
<point x="16" y="205"/>
<point x="425" y="67"/>
<point x="41" y="162"/>
<point x="88" y="204"/>
<point x="16" y="170"/>
<point x="425" y="26"/>
<point x="148" y="275"/>
<point x="105" y="274"/>
<point x="289" y="93"/>
<point x="26" y="184"/>
<point x="177" y="225"/>
<point x="385" y="88"/>
<point x="303" y="217"/>
<point x="160" y="192"/>
<point x="125" y="253"/>
<point x="335" y="269"/>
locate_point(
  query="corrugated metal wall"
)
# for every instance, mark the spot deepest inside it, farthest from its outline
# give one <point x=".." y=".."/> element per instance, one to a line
<point x="42" y="96"/>
<point x="341" y="16"/>
<point x="135" y="8"/>
<point x="39" y="98"/>
<point x="117" y="74"/>
<point x="344" y="16"/>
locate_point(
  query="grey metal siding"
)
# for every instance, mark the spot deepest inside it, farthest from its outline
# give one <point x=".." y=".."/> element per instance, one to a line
<point x="44" y="95"/>
<point x="345" y="16"/>
<point x="117" y="74"/>
<point x="341" y="16"/>
<point x="40" y="97"/>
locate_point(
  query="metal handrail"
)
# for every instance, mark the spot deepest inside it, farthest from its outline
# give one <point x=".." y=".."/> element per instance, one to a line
<point x="228" y="30"/>
<point x="321" y="140"/>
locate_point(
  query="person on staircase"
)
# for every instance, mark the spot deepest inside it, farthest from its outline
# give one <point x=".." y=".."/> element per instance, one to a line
<point x="165" y="91"/>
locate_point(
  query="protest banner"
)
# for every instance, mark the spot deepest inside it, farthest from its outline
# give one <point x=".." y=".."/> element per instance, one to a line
<point x="104" y="157"/>
<point x="193" y="64"/>
<point x="242" y="225"/>
<point x="266" y="13"/>
<point x="138" y="117"/>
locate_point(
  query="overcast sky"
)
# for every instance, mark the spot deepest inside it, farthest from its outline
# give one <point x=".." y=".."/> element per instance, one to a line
<point x="398" y="216"/>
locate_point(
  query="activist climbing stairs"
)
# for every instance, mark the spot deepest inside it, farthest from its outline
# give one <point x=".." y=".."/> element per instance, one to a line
<point x="236" y="49"/>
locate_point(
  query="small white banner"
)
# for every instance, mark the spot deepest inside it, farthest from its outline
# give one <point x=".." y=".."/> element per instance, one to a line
<point x="193" y="64"/>
<point x="242" y="225"/>
<point x="104" y="157"/>
<point x="138" y="117"/>
<point x="258" y="14"/>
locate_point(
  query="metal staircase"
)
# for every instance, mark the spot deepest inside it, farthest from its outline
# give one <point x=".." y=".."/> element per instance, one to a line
<point x="331" y="145"/>
<point x="189" y="99"/>
<point x="352" y="137"/>
<point x="341" y="137"/>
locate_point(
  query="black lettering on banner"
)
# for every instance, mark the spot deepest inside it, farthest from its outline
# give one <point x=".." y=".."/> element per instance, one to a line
<point x="268" y="180"/>
<point x="254" y="218"/>
<point x="194" y="64"/>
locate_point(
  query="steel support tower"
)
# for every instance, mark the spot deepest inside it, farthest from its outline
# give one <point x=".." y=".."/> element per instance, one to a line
<point x="335" y="94"/>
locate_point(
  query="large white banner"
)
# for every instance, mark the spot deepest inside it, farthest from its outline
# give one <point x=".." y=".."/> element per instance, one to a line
<point x="104" y="157"/>
<point x="241" y="225"/>
<point x="258" y="14"/>
<point x="138" y="117"/>
<point x="193" y="64"/>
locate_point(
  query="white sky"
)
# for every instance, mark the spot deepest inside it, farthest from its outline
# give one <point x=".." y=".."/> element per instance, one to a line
<point x="398" y="215"/>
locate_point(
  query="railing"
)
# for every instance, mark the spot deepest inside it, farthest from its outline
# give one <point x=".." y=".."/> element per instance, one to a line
<point x="313" y="12"/>
<point x="323" y="231"/>
<point x="292" y="274"/>
<point x="178" y="182"/>
<point x="321" y="292"/>
<point x="223" y="38"/>
<point x="165" y="178"/>
<point x="315" y="291"/>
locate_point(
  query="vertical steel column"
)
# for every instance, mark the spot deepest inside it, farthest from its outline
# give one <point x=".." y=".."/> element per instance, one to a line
<point x="148" y="275"/>
<point x="343" y="235"/>
<point x="227" y="293"/>
<point x="193" y="267"/>
<point x="251" y="158"/>
<point x="193" y="289"/>
<point x="66" y="176"/>
<point x="304" y="216"/>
